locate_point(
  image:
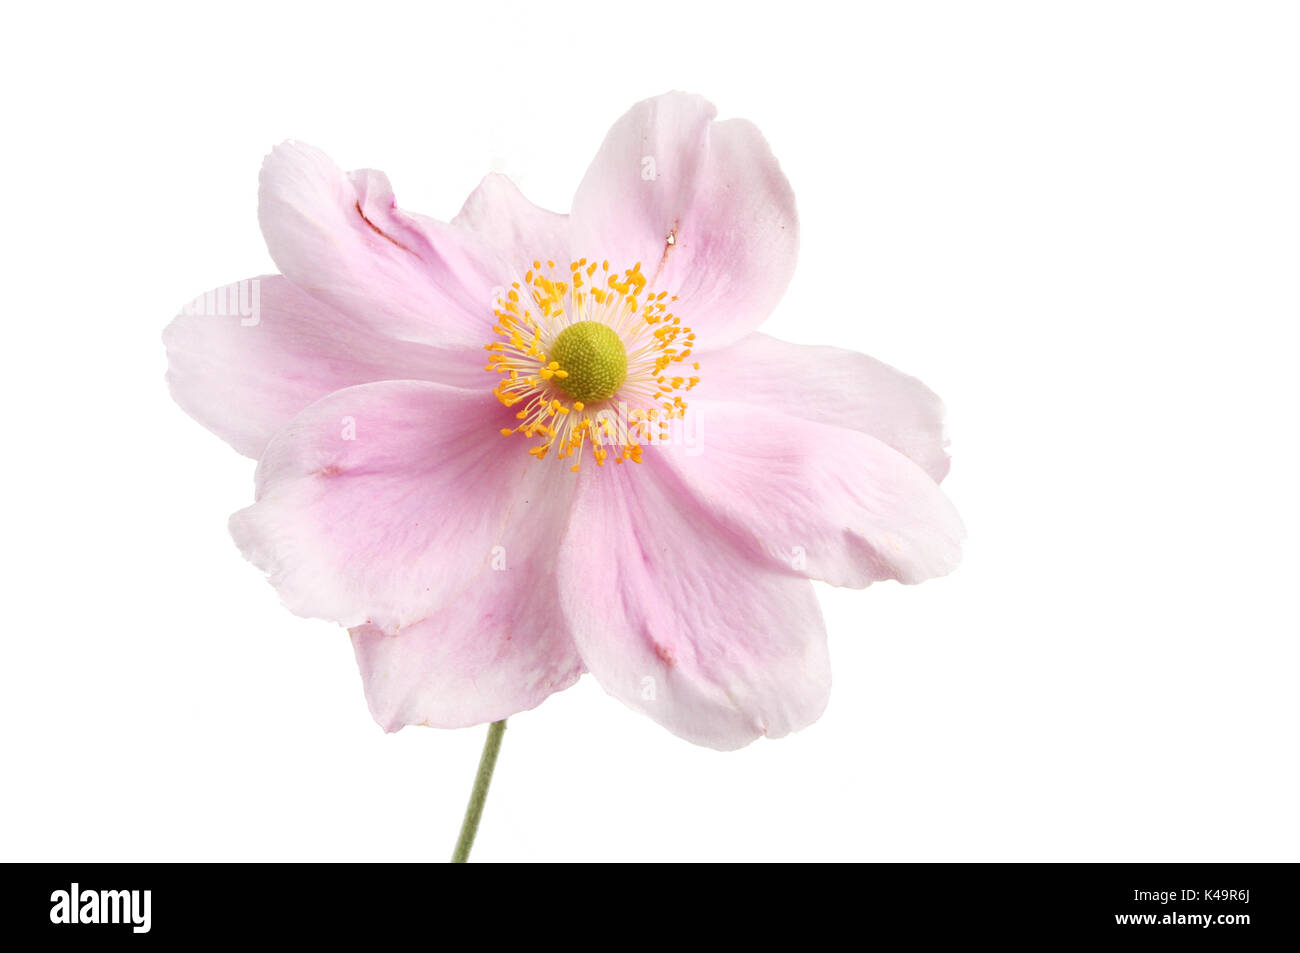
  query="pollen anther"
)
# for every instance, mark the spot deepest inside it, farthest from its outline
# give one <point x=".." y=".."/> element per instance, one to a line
<point x="589" y="363"/>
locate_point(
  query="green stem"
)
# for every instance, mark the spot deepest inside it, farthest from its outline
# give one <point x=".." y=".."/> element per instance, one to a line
<point x="474" y="811"/>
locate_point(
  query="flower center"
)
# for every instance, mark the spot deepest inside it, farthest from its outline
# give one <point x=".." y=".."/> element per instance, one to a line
<point x="590" y="359"/>
<point x="594" y="358"/>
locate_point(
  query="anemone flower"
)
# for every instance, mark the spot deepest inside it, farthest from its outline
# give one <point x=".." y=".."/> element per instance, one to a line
<point x="520" y="446"/>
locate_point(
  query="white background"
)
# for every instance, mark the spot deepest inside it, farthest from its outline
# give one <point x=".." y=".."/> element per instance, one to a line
<point x="1079" y="223"/>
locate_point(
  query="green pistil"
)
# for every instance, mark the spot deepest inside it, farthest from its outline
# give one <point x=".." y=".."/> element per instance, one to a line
<point x="593" y="356"/>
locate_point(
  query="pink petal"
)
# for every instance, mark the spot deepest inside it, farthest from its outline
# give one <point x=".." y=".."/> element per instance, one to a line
<point x="516" y="229"/>
<point x="834" y="504"/>
<point x="498" y="649"/>
<point x="343" y="239"/>
<point x="832" y="386"/>
<point x="675" y="621"/>
<point x="394" y="525"/>
<point x="667" y="169"/>
<point x="244" y="359"/>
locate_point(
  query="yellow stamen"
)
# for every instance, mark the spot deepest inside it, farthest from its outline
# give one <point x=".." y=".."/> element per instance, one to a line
<point x="590" y="363"/>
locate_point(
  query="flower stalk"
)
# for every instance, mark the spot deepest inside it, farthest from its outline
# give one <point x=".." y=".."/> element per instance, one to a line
<point x="487" y="762"/>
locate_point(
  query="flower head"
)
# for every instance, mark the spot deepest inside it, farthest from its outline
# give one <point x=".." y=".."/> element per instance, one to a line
<point x="472" y="436"/>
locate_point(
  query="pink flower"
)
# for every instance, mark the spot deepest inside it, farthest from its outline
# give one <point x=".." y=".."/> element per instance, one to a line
<point x="491" y="523"/>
